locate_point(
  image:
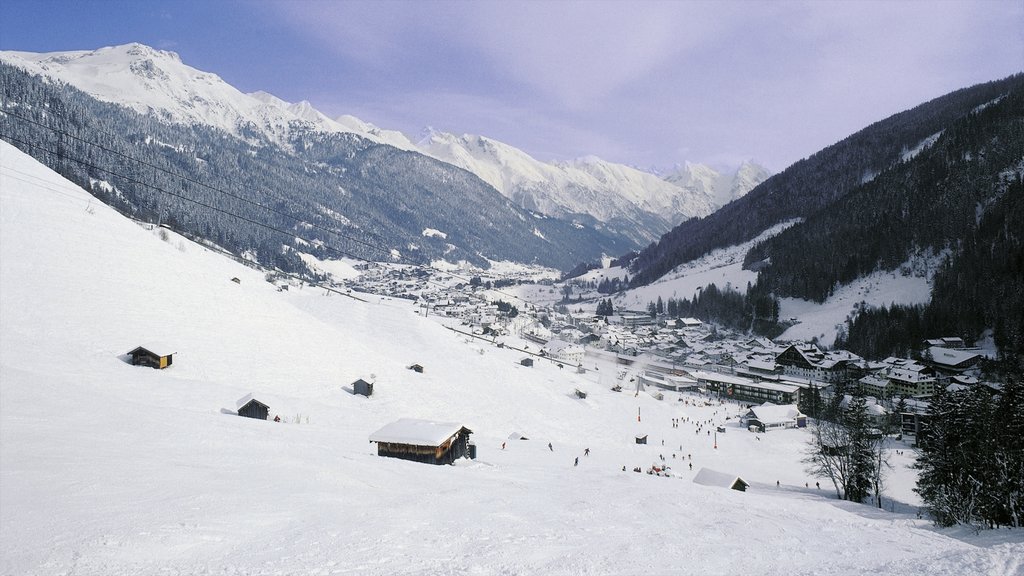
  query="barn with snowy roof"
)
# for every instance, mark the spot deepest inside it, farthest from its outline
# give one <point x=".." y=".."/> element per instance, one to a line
<point x="250" y="407"/>
<point x="423" y="441"/>
<point x="709" y="477"/>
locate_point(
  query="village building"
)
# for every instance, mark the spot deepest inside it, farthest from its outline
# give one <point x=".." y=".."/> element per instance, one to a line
<point x="773" y="417"/>
<point x="153" y="355"/>
<point x="738" y="388"/>
<point x="563" y="351"/>
<point x="424" y="441"/>
<point x="950" y="360"/>
<point x="807" y="361"/>
<point x="770" y="416"/>
<point x="908" y="378"/>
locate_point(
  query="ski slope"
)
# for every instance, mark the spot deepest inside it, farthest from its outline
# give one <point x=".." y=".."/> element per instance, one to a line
<point x="110" y="469"/>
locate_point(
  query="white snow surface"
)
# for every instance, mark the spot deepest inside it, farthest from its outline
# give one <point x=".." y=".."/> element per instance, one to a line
<point x="110" y="469"/>
<point x="823" y="321"/>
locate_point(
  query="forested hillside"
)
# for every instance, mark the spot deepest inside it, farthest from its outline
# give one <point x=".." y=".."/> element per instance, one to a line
<point x="339" y="192"/>
<point x="815" y="183"/>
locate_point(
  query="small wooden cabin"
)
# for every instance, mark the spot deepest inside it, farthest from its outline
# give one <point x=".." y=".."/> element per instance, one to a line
<point x="708" y="477"/>
<point x="423" y="441"/>
<point x="641" y="439"/>
<point x="416" y="368"/>
<point x="250" y="407"/>
<point x="527" y="362"/>
<point x="362" y="388"/>
<point x="152" y="355"/>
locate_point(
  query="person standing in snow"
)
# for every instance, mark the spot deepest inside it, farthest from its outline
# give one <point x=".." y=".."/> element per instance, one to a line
<point x="576" y="462"/>
<point x="550" y="447"/>
<point x="586" y="451"/>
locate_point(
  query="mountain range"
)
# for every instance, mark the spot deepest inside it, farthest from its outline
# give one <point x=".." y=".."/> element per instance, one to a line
<point x="628" y="203"/>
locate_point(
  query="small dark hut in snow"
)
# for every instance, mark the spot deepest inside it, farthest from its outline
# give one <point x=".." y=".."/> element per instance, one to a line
<point x="252" y="408"/>
<point x="362" y="387"/>
<point x="527" y="361"/>
<point x="709" y="477"/>
<point x="416" y="368"/>
<point x="152" y="355"/>
<point x="641" y="439"/>
<point x="423" y="441"/>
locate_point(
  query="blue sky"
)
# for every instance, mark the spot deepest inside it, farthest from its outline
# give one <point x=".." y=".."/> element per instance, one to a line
<point x="650" y="84"/>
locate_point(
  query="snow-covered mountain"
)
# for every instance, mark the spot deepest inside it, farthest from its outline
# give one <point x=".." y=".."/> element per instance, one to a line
<point x="699" y="179"/>
<point x="589" y="185"/>
<point x="158" y="82"/>
<point x="635" y="203"/>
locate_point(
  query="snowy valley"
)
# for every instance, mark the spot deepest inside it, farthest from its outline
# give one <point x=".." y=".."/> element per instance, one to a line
<point x="114" y="469"/>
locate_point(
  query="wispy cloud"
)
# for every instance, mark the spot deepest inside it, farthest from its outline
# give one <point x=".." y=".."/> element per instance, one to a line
<point x="645" y="82"/>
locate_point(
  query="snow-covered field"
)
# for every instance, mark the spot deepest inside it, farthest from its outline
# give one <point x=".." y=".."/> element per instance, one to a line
<point x="109" y="469"/>
<point x="823" y="321"/>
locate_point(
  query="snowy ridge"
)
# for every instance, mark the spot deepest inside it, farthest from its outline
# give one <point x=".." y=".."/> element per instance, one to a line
<point x="111" y="469"/>
<point x="640" y="204"/>
<point x="603" y="190"/>
<point x="154" y="81"/>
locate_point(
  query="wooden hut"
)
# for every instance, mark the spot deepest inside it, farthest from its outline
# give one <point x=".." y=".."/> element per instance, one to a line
<point x="423" y="441"/>
<point x="152" y="355"/>
<point x="641" y="439"/>
<point x="362" y="388"/>
<point x="527" y="361"/>
<point x="416" y="368"/>
<point x="252" y="408"/>
<point x="709" y="477"/>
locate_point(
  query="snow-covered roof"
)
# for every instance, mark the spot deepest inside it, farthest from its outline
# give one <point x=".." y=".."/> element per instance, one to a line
<point x="245" y="400"/>
<point x="416" y="432"/>
<point x="709" y="477"/>
<point x="951" y="357"/>
<point x="158" y="348"/>
<point x="767" y="413"/>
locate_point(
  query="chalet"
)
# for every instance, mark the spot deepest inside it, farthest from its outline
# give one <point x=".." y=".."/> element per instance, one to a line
<point x="423" y="441"/>
<point x="641" y="439"/>
<point x="528" y="362"/>
<point x="773" y="417"/>
<point x="807" y="361"/>
<point x="152" y="355"/>
<point x="709" y="477"/>
<point x="362" y="388"/>
<point x="249" y="407"/>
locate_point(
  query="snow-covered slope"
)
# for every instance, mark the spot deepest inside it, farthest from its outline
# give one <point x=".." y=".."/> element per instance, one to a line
<point x="111" y="469"/>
